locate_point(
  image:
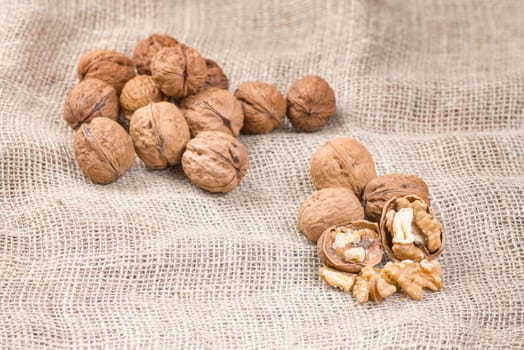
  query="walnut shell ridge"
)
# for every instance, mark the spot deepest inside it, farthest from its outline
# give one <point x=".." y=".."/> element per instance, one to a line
<point x="109" y="66"/>
<point x="342" y="162"/>
<point x="215" y="161"/>
<point x="103" y="150"/>
<point x="381" y="189"/>
<point x="326" y="208"/>
<point x="147" y="48"/>
<point x="91" y="98"/>
<point x="263" y="105"/>
<point x="160" y="133"/>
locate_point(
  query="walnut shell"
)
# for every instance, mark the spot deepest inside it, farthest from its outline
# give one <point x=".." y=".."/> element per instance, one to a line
<point x="382" y="188"/>
<point x="342" y="162"/>
<point x="215" y="76"/>
<point x="160" y="133"/>
<point x="147" y="48"/>
<point x="213" y="110"/>
<point x="426" y="239"/>
<point x="103" y="150"/>
<point x="215" y="162"/>
<point x="326" y="208"/>
<point x="263" y="105"/>
<point x="179" y="71"/>
<point x="139" y="92"/>
<point x="310" y="103"/>
<point x="368" y="241"/>
<point x="90" y="98"/>
<point x="109" y="66"/>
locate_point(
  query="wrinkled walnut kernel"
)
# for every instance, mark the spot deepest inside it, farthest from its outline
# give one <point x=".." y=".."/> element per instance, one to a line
<point x="370" y="284"/>
<point x="412" y="276"/>
<point x="337" y="279"/>
<point x="147" y="48"/>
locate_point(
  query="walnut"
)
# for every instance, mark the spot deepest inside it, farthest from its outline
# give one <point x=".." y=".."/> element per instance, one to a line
<point x="139" y="92"/>
<point x="412" y="276"/>
<point x="382" y="188"/>
<point x="371" y="284"/>
<point x="342" y="162"/>
<point x="160" y="133"/>
<point x="410" y="230"/>
<point x="326" y="208"/>
<point x="147" y="48"/>
<point x="103" y="150"/>
<point x="263" y="105"/>
<point x="213" y="110"/>
<point x="215" y="76"/>
<point x="109" y="66"/>
<point x="338" y="279"/>
<point x="310" y="103"/>
<point x="179" y="71"/>
<point x="350" y="247"/>
<point x="91" y="98"/>
<point x="215" y="161"/>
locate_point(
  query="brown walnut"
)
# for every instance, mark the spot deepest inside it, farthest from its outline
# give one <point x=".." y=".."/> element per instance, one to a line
<point x="139" y="92"/>
<point x="213" y="110"/>
<point x="215" y="76"/>
<point x="409" y="230"/>
<point x="215" y="161"/>
<point x="109" y="66"/>
<point x="147" y="48"/>
<point x="310" y="103"/>
<point x="382" y="188"/>
<point x="160" y="133"/>
<point x="90" y="98"/>
<point x="350" y="247"/>
<point x="342" y="162"/>
<point x="103" y="150"/>
<point x="326" y="208"/>
<point x="263" y="105"/>
<point x="179" y="71"/>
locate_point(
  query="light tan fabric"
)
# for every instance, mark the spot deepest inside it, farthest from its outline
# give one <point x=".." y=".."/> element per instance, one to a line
<point x="432" y="88"/>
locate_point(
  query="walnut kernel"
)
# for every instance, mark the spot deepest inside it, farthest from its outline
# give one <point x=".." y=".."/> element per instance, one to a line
<point x="412" y="276"/>
<point x="371" y="284"/>
<point x="139" y="92"/>
<point x="337" y="279"/>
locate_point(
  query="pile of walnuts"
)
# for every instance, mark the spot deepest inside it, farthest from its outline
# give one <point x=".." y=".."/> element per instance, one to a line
<point x="178" y="110"/>
<point x="355" y="215"/>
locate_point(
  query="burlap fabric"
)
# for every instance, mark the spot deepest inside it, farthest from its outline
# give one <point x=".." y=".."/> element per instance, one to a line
<point x="432" y="88"/>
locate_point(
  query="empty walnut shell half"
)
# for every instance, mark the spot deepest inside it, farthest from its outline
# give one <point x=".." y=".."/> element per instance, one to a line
<point x="263" y="105"/>
<point x="147" y="48"/>
<point x="215" y="162"/>
<point x="215" y="76"/>
<point x="213" y="110"/>
<point x="382" y="188"/>
<point x="310" y="103"/>
<point x="139" y="92"/>
<point x="409" y="230"/>
<point x="179" y="71"/>
<point x="103" y="150"/>
<point x="160" y="134"/>
<point x="342" y="162"/>
<point x="90" y="98"/>
<point x="326" y="208"/>
<point x="109" y="66"/>
<point x="350" y="247"/>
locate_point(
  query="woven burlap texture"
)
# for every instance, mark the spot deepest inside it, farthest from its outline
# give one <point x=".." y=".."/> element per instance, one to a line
<point x="432" y="88"/>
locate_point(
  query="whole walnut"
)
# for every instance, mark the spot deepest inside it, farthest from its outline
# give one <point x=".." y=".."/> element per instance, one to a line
<point x="179" y="71"/>
<point x="103" y="150"/>
<point x="160" y="133"/>
<point x="90" y="98"/>
<point x="328" y="207"/>
<point x="139" y="92"/>
<point x="107" y="65"/>
<point x="342" y="162"/>
<point x="383" y="188"/>
<point x="147" y="48"/>
<point x="215" y="162"/>
<point x="215" y="76"/>
<point x="263" y="105"/>
<point x="213" y="110"/>
<point x="310" y="103"/>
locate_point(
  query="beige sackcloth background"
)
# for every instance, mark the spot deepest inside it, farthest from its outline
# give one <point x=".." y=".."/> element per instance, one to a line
<point x="432" y="88"/>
